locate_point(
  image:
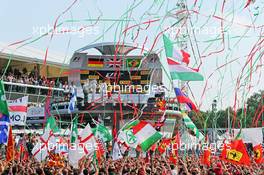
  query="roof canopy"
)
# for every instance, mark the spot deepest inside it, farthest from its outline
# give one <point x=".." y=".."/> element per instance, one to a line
<point x="112" y="48"/>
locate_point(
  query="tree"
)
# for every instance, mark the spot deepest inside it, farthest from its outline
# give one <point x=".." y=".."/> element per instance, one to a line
<point x="251" y="117"/>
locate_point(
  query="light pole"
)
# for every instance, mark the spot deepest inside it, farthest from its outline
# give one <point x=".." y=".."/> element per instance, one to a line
<point x="214" y="109"/>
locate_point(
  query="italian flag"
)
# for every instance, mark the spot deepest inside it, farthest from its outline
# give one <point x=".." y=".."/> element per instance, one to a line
<point x="146" y="134"/>
<point x="175" y="58"/>
<point x="171" y="51"/>
<point x="181" y="72"/>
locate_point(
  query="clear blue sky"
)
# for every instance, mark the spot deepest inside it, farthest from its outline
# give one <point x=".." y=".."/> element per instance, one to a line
<point x="23" y="19"/>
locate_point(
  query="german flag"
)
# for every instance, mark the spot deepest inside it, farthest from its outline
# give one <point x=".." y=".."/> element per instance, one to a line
<point x="94" y="62"/>
<point x="258" y="154"/>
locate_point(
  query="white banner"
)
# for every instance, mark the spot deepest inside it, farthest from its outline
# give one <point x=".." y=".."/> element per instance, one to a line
<point x="251" y="135"/>
<point x="36" y="112"/>
<point x="18" y="111"/>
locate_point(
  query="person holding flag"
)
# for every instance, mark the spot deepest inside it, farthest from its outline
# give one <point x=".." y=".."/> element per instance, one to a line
<point x="5" y="125"/>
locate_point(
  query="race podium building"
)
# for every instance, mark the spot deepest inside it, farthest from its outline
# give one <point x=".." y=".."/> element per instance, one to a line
<point x="114" y="82"/>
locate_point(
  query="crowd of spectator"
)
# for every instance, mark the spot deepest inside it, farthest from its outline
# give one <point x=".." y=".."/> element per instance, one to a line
<point x="153" y="164"/>
<point x="29" y="77"/>
<point x="32" y="78"/>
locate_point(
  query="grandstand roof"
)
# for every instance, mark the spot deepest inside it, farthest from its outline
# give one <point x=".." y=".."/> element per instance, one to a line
<point x="109" y="48"/>
<point x="31" y="54"/>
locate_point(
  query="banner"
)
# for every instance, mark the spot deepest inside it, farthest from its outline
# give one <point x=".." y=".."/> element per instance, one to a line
<point x="18" y="111"/>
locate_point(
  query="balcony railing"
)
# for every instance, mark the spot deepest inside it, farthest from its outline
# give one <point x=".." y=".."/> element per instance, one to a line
<point x="37" y="94"/>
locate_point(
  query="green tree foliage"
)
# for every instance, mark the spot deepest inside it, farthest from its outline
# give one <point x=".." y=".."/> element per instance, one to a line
<point x="251" y="117"/>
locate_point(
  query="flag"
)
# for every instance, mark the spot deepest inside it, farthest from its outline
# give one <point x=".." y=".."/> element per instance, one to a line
<point x="51" y="125"/>
<point x="84" y="145"/>
<point x="258" y="154"/>
<point x="133" y="62"/>
<point x="100" y="150"/>
<point x="3" y="102"/>
<point x="61" y="146"/>
<point x="72" y="102"/>
<point x="182" y="98"/>
<point x="172" y="52"/>
<point x="236" y="153"/>
<point x="164" y="145"/>
<point x="23" y="149"/>
<point x="126" y="135"/>
<point x="73" y="159"/>
<point x="74" y="130"/>
<point x="190" y="125"/>
<point x="10" y="150"/>
<point x="146" y="134"/>
<point x="87" y="138"/>
<point x="173" y="158"/>
<point x="100" y="131"/>
<point x="96" y="63"/>
<point x="181" y="72"/>
<point x="4" y="128"/>
<point x="175" y="144"/>
<point x="116" y="152"/>
<point x="128" y="138"/>
<point x="113" y="62"/>
<point x="206" y="157"/>
<point x="18" y="111"/>
<point x="139" y="133"/>
<point x="47" y="140"/>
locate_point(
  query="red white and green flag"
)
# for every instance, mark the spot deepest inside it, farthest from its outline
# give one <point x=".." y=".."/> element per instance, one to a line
<point x="181" y="72"/>
<point x="173" y="52"/>
<point x="145" y="134"/>
<point x="178" y="71"/>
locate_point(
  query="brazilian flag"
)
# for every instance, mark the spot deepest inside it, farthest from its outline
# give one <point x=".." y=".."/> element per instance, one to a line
<point x="133" y="62"/>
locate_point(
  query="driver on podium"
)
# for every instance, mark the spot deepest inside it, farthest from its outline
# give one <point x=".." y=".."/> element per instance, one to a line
<point x="86" y="90"/>
<point x="103" y="89"/>
<point x="92" y="87"/>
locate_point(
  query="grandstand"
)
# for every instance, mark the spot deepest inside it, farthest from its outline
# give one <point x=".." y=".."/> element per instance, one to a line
<point x="28" y="76"/>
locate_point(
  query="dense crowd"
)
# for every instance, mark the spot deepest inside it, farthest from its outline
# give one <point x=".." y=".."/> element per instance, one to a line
<point x="154" y="163"/>
<point x="29" y="77"/>
<point x="157" y="165"/>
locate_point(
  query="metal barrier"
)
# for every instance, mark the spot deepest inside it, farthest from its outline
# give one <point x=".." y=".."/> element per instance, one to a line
<point x="36" y="93"/>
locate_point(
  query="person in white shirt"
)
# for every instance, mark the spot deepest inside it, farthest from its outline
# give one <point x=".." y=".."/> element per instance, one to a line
<point x="72" y="88"/>
<point x="103" y="89"/>
<point x="86" y="89"/>
<point x="92" y="87"/>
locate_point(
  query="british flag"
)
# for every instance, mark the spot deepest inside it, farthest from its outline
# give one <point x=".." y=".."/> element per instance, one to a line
<point x="113" y="62"/>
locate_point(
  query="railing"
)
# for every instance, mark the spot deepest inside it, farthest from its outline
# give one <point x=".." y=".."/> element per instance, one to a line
<point x="36" y="93"/>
